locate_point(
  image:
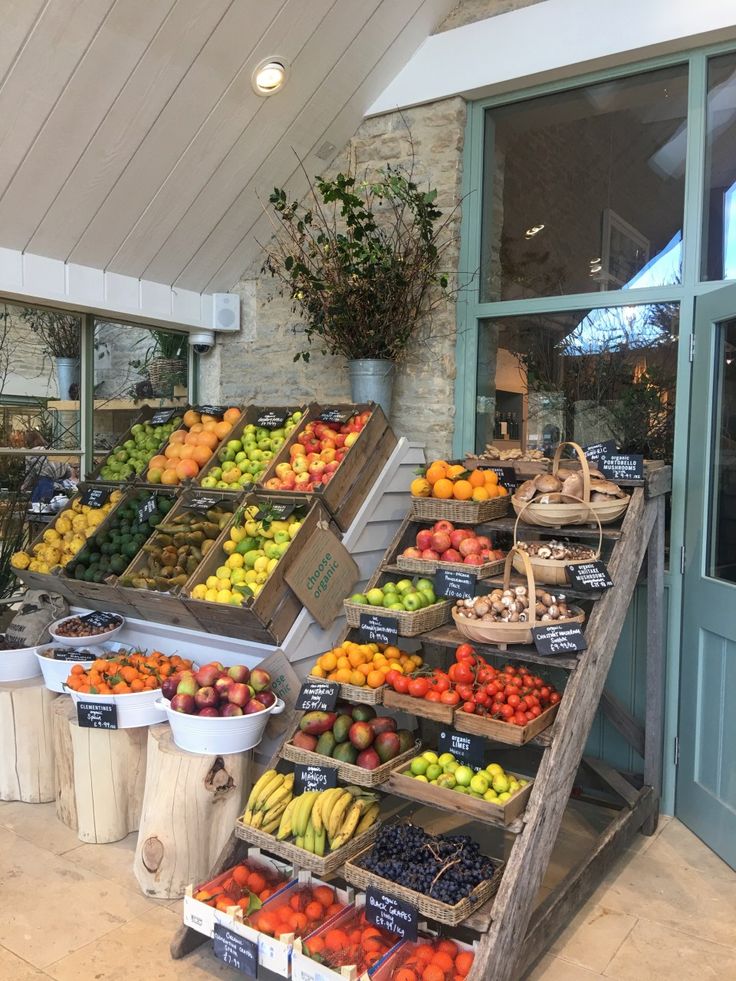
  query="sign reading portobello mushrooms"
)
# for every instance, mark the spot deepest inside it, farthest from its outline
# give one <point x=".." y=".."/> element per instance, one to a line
<point x="622" y="466"/>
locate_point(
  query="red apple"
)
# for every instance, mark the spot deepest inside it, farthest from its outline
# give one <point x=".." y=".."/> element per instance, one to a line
<point x="169" y="686"/>
<point x="260" y="679"/>
<point x="229" y="710"/>
<point x="424" y="538"/>
<point x="300" y="464"/>
<point x="266" y="698"/>
<point x="451" y="555"/>
<point x="239" y="673"/>
<point x="253" y="706"/>
<point x="429" y="553"/>
<point x="239" y="694"/>
<point x="209" y="712"/>
<point x="303" y="480"/>
<point x="289" y="481"/>
<point x="317" y="468"/>
<point x="446" y="526"/>
<point x="223" y="685"/>
<point x="206" y="698"/>
<point x="207" y="675"/>
<point x="183" y="703"/>
<point x="469" y="546"/>
<point x="282" y="469"/>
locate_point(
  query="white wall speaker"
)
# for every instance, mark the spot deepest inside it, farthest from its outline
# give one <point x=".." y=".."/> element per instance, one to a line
<point x="225" y="312"/>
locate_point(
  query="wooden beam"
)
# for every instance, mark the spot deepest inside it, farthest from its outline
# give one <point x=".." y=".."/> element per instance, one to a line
<point x="500" y="948"/>
<point x="659" y="482"/>
<point x="556" y="911"/>
<point x="610" y="776"/>
<point x="656" y="661"/>
<point x="623" y="721"/>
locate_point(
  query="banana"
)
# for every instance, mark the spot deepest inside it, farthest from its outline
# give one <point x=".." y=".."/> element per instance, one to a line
<point x="247" y="816"/>
<point x="274" y="814"/>
<point x="299" y="841"/>
<point x="271" y="825"/>
<point x="285" y="823"/>
<point x="316" y="815"/>
<point x="347" y="829"/>
<point x="368" y="820"/>
<point x="269" y="788"/>
<point x="320" y="842"/>
<point x="338" y="814"/>
<point x="282" y="793"/>
<point x="305" y="811"/>
<point x="258" y="787"/>
<point x="321" y="810"/>
<point x="257" y="819"/>
<point x="309" y="837"/>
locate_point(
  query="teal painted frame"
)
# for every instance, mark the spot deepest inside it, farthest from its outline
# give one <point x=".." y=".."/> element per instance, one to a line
<point x="477" y="186"/>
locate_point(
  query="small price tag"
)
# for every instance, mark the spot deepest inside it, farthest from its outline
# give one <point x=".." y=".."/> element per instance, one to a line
<point x="455" y="583"/>
<point x="203" y="503"/>
<point x="235" y="951"/>
<point x="212" y="410"/>
<point x="102" y="621"/>
<point x="95" y="497"/>
<point x="595" y="451"/>
<point x="335" y="415"/>
<point x="588" y="576"/>
<point x="161" y="416"/>
<point x="314" y="778"/>
<point x="391" y="913"/>
<point x="470" y="750"/>
<point x="318" y="696"/>
<point x="559" y="638"/>
<point x="377" y="629"/>
<point x="146" y="509"/>
<point x="97" y="715"/>
<point x="271" y="419"/>
<point x="622" y="466"/>
<point x="506" y="476"/>
<point x="275" y="510"/>
<point x="70" y="654"/>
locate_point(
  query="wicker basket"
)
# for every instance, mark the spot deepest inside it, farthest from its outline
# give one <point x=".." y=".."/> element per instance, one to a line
<point x="551" y="572"/>
<point x="429" y="566"/>
<point x="299" y="857"/>
<point x="349" y="772"/>
<point x="358" y="693"/>
<point x="462" y="512"/>
<point x="490" y="632"/>
<point x="409" y="624"/>
<point x="432" y="908"/>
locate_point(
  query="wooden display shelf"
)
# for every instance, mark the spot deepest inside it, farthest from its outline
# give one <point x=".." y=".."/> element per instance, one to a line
<point x="504" y="732"/>
<point x="448" y="636"/>
<point x="435" y="711"/>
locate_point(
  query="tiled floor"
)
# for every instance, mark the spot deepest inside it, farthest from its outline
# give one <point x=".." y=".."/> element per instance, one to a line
<point x="73" y="912"/>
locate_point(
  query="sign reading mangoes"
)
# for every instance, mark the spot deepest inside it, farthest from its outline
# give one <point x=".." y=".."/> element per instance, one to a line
<point x="322" y="575"/>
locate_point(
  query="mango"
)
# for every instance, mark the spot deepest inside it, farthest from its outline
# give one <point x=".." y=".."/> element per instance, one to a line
<point x="315" y="723"/>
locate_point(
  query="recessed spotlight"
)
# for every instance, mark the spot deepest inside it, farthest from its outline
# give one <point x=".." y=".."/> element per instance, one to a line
<point x="269" y="77"/>
<point x="534" y="230"/>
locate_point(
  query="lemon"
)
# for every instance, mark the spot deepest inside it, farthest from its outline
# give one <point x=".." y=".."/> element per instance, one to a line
<point x="21" y="560"/>
<point x="228" y="548"/>
<point x="236" y="534"/>
<point x="211" y="582"/>
<point x="77" y="506"/>
<point x="77" y="542"/>
<point x="63" y="525"/>
<point x="237" y="599"/>
<point x="79" y="522"/>
<point x="272" y="563"/>
<point x="50" y="536"/>
<point x="261" y="577"/>
<point x="251" y="576"/>
<point x="222" y="572"/>
<point x="211" y="595"/>
<point x="199" y="592"/>
<point x="52" y="556"/>
<point x="224" y="596"/>
<point x="261" y="563"/>
<point x="116" y="496"/>
<point x="224" y="583"/>
<point x="235" y="561"/>
<point x="238" y="576"/>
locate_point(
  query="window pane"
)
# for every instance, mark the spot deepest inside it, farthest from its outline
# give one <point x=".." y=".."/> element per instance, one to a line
<point x="586" y="189"/>
<point x="606" y="374"/>
<point x="722" y="526"/>
<point x="719" y="210"/>
<point x="134" y="366"/>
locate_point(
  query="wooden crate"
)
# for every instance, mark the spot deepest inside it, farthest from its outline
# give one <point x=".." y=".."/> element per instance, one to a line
<point x="357" y="473"/>
<point x="269" y="617"/>
<point x="249" y="415"/>
<point x="450" y="800"/>
<point x="168" y="607"/>
<point x="504" y="732"/>
<point x="435" y="711"/>
<point x="147" y="412"/>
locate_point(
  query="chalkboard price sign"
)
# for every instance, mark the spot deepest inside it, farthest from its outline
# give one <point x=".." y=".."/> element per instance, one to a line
<point x="506" y="476"/>
<point x="97" y="715"/>
<point x="313" y="778"/>
<point x="275" y="510"/>
<point x="335" y="415"/>
<point x="559" y="639"/>
<point x="470" y="750"/>
<point x="273" y="419"/>
<point x="70" y="654"/>
<point x="161" y="417"/>
<point x="377" y="629"/>
<point x="595" y="451"/>
<point x="102" y="621"/>
<point x="235" y="951"/>
<point x="95" y="497"/>
<point x="203" y="503"/>
<point x="622" y="466"/>
<point x="146" y="509"/>
<point x="455" y="583"/>
<point x="212" y="410"/>
<point x="318" y="696"/>
<point x="589" y="577"/>
<point x="391" y="913"/>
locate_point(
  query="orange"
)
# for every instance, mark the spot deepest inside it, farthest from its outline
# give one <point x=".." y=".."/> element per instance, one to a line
<point x="210" y="425"/>
<point x="357" y="678"/>
<point x="201" y="454"/>
<point x="455" y="470"/>
<point x="191" y="417"/>
<point x="209" y="440"/>
<point x="449" y="947"/>
<point x="420" y="487"/>
<point x="328" y="661"/>
<point x="463" y="962"/>
<point x="480" y="494"/>
<point x="443" y="960"/>
<point x="424" y="953"/>
<point x="335" y="939"/>
<point x="222" y="429"/>
<point x="442" y="489"/>
<point x="501" y="491"/>
<point x="436" y="471"/>
<point x="405" y="974"/>
<point x="178" y="437"/>
<point x="463" y="490"/>
<point x="375" y="679"/>
<point x="477" y="478"/>
<point x="324" y="895"/>
<point x="173" y="451"/>
<point x="196" y="428"/>
<point x="432" y="972"/>
<point x="231" y="415"/>
<point x="314" y="910"/>
<point x="343" y="675"/>
<point x="316" y="945"/>
<point x="159" y="462"/>
<point x="490" y="476"/>
<point x="207" y="417"/>
<point x="169" y="477"/>
<point x="356" y="657"/>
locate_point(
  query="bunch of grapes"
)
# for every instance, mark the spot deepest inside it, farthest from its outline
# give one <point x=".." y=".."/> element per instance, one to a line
<point x="445" y="867"/>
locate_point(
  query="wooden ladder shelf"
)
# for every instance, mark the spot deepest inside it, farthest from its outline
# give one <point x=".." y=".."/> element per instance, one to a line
<point x="513" y="934"/>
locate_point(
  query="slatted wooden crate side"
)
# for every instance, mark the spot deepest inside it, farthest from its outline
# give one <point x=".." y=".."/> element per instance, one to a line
<point x="145" y="415"/>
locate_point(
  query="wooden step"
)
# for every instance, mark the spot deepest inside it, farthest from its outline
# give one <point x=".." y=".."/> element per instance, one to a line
<point x="448" y="636"/>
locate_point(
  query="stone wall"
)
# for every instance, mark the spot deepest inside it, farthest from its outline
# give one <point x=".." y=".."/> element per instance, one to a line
<point x="470" y="11"/>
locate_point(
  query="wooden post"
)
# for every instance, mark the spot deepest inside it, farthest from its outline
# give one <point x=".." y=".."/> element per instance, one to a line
<point x="190" y="805"/>
<point x="656" y="663"/>
<point x="63" y="711"/>
<point x="27" y="750"/>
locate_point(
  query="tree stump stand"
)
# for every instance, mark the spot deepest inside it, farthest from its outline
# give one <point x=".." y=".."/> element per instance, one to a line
<point x="99" y="777"/>
<point x="26" y="743"/>
<point x="190" y="805"/>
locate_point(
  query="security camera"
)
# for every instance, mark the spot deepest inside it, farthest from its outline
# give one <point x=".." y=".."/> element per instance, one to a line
<point x="202" y="341"/>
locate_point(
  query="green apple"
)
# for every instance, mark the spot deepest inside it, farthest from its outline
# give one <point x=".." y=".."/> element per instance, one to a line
<point x="389" y="587"/>
<point x="239" y="457"/>
<point x="209" y="483"/>
<point x="397" y="606"/>
<point x="389" y="599"/>
<point x="412" y="602"/>
<point x="221" y="485"/>
<point x="425" y="584"/>
<point x="245" y="480"/>
<point x="479" y="783"/>
<point x="418" y="766"/>
<point x="463" y="776"/>
<point x="358" y="598"/>
<point x="375" y="596"/>
<point x="404" y="585"/>
<point x="430" y="596"/>
<point x="234" y="444"/>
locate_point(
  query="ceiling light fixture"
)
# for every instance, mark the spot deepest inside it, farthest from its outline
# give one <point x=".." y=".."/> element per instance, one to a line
<point x="534" y="230"/>
<point x="269" y="77"/>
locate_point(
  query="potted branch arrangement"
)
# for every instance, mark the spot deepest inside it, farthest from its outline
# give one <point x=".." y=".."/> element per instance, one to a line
<point x="61" y="335"/>
<point x="362" y="263"/>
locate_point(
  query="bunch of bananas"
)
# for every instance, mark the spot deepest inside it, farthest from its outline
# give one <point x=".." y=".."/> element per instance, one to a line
<point x="320" y="817"/>
<point x="269" y="800"/>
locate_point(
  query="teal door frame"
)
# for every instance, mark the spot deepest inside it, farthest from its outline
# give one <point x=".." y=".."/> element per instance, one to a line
<point x="477" y="184"/>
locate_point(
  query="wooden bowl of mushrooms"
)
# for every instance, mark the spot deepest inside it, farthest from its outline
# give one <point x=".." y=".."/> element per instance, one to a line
<point x="508" y="615"/>
<point x="549" y="559"/>
<point x="569" y="497"/>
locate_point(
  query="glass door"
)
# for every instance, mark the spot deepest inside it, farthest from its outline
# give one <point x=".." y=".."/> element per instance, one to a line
<point x="706" y="781"/>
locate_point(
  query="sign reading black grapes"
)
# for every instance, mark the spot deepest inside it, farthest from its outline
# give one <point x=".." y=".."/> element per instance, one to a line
<point x="313" y="778"/>
<point x="237" y="952"/>
<point x="271" y="419"/>
<point x="146" y="509"/>
<point x="377" y="629"/>
<point x="97" y="715"/>
<point x="589" y="577"/>
<point x="95" y="497"/>
<point x="161" y="416"/>
<point x="318" y="696"/>
<point x="390" y="913"/>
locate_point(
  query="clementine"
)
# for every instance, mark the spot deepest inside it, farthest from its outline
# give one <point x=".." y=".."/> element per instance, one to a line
<point x="191" y="418"/>
<point x="420" y="487"/>
<point x="463" y="490"/>
<point x="231" y="415"/>
<point x="480" y="494"/>
<point x="436" y="471"/>
<point x="442" y="489"/>
<point x="477" y="477"/>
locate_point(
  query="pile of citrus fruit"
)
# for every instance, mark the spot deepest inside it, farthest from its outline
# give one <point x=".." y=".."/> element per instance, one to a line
<point x="364" y="665"/>
<point x="191" y="447"/>
<point x="451" y="481"/>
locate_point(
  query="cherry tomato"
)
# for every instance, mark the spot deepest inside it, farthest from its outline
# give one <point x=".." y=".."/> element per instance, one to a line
<point x="536" y="711"/>
<point x="519" y="719"/>
<point x="484" y="676"/>
<point x="469" y="707"/>
<point x="391" y="676"/>
<point x="418" y="687"/>
<point x="465" y="692"/>
<point x="464" y="651"/>
<point x="461" y="673"/>
<point x="439" y="682"/>
<point x="554" y="698"/>
<point x="496" y="708"/>
<point x="544" y="693"/>
<point x="482" y="698"/>
<point x="514" y="701"/>
<point x="527" y="681"/>
<point x="507" y="712"/>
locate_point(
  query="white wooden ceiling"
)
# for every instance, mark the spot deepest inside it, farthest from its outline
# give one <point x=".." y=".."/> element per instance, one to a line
<point x="131" y="139"/>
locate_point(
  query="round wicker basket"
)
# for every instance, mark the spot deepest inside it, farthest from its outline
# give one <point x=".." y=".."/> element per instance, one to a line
<point x="550" y="571"/>
<point x="557" y="514"/>
<point x="490" y="632"/>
